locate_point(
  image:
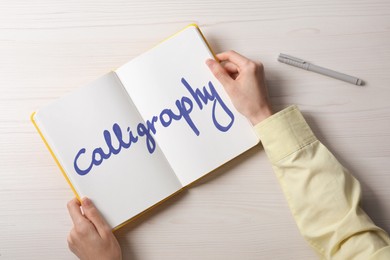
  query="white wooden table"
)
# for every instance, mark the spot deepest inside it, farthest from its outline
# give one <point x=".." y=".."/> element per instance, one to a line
<point x="49" y="48"/>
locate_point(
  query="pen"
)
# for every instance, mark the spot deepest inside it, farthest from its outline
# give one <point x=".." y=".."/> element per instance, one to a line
<point x="324" y="71"/>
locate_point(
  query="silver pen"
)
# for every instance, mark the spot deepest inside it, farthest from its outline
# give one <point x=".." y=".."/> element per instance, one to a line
<point x="324" y="71"/>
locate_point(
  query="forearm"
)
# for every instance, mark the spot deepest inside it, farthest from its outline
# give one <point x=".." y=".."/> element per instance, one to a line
<point x="322" y="195"/>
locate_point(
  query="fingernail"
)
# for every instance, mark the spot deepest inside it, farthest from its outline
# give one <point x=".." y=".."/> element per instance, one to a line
<point x="86" y="202"/>
<point x="210" y="62"/>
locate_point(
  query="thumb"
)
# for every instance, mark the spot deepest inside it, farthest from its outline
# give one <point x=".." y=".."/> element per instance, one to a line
<point x="93" y="214"/>
<point x="219" y="72"/>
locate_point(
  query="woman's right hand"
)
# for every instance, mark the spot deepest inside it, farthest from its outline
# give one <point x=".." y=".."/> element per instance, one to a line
<point x="244" y="82"/>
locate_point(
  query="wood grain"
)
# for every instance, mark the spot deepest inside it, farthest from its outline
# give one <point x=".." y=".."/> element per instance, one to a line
<point x="49" y="48"/>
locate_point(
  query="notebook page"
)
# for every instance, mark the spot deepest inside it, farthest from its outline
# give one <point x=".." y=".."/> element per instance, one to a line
<point x="121" y="179"/>
<point x="209" y="132"/>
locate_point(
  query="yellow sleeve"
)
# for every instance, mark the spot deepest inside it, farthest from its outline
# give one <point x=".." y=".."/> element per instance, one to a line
<point x="323" y="197"/>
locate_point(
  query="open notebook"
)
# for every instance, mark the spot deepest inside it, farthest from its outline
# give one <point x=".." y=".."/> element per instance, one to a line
<point x="138" y="134"/>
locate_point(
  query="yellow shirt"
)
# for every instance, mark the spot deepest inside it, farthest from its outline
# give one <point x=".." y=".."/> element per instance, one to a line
<point x="323" y="197"/>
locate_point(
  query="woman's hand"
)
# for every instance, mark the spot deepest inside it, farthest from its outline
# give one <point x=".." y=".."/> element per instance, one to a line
<point x="244" y="82"/>
<point x="91" y="236"/>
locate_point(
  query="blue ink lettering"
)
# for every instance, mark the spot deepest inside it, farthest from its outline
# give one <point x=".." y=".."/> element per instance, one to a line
<point x="76" y="167"/>
<point x="98" y="155"/>
<point x="184" y="105"/>
<point x="185" y="112"/>
<point x="203" y="98"/>
<point x="145" y="131"/>
<point x="97" y="160"/>
<point x="170" y="115"/>
<point x="224" y="107"/>
<point x="107" y="138"/>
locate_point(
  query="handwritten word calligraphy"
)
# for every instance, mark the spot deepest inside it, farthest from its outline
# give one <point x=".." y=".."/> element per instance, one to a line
<point x="197" y="99"/>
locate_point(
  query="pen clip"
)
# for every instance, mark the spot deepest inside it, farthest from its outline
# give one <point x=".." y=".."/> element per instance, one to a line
<point x="290" y="60"/>
<point x="288" y="57"/>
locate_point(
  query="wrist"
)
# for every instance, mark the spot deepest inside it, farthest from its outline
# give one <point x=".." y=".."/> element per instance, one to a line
<point x="261" y="115"/>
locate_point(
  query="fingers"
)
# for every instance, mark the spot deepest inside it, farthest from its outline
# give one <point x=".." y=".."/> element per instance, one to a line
<point x="75" y="212"/>
<point x="93" y="214"/>
<point x="230" y="67"/>
<point x="234" y="57"/>
<point x="219" y="72"/>
<point x="244" y="65"/>
<point x="72" y="243"/>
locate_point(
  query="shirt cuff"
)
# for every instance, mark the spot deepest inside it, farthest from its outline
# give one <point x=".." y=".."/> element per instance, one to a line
<point x="284" y="133"/>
